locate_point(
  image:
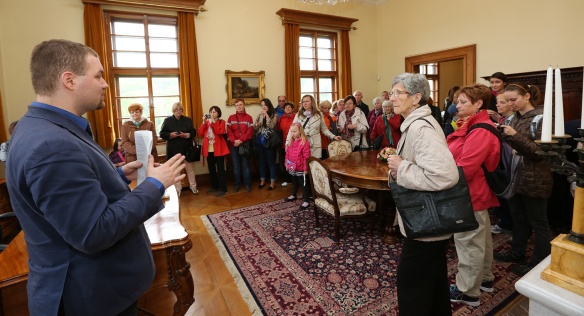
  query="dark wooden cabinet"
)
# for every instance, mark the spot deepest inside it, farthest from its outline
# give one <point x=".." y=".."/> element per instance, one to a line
<point x="571" y="88"/>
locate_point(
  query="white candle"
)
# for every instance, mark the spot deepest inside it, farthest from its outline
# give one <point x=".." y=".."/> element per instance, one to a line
<point x="582" y="116"/>
<point x="546" y="132"/>
<point x="559" y="105"/>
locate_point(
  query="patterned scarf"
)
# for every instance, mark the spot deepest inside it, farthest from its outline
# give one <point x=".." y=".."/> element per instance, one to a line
<point x="346" y="132"/>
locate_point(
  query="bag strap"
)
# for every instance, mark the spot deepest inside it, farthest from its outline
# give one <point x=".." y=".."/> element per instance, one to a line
<point x="493" y="130"/>
<point x="406" y="134"/>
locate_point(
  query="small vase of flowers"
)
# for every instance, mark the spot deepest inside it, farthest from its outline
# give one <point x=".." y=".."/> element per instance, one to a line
<point x="385" y="152"/>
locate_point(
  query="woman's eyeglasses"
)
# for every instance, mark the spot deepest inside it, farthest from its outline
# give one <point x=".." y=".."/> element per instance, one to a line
<point x="398" y="92"/>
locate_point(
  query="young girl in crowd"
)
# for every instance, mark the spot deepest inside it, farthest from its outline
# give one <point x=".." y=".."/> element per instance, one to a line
<point x="118" y="155"/>
<point x="297" y="153"/>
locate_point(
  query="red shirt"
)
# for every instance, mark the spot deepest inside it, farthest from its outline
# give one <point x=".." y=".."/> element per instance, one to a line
<point x="284" y="123"/>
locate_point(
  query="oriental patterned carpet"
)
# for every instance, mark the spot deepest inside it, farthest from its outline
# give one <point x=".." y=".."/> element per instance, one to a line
<point x="284" y="265"/>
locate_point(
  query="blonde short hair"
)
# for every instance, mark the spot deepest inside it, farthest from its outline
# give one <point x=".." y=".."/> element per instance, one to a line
<point x="176" y="106"/>
<point x="135" y="106"/>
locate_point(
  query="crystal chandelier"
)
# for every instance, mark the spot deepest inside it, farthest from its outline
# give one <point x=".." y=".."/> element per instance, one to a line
<point x="321" y="2"/>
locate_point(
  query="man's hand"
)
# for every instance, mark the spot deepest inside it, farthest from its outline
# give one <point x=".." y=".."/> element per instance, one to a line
<point x="167" y="173"/>
<point x="130" y="170"/>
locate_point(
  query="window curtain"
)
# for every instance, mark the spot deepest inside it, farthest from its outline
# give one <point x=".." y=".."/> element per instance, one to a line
<point x="3" y="136"/>
<point x="292" y="55"/>
<point x="102" y="121"/>
<point x="190" y="82"/>
<point x="345" y="59"/>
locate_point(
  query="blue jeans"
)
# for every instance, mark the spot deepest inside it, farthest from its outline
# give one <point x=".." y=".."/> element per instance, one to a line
<point x="267" y="156"/>
<point x="239" y="163"/>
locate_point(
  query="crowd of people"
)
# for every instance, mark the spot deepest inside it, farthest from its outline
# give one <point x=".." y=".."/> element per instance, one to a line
<point x="429" y="153"/>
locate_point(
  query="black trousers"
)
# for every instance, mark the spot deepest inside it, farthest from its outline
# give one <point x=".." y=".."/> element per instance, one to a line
<point x="422" y="279"/>
<point x="301" y="181"/>
<point x="217" y="172"/>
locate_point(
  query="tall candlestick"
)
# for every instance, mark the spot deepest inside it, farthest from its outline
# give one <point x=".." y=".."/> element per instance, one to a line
<point x="559" y="121"/>
<point x="582" y="116"/>
<point x="546" y="128"/>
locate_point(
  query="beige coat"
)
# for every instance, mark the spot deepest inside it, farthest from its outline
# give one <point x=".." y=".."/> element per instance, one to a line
<point x="428" y="164"/>
<point x="358" y="119"/>
<point x="312" y="130"/>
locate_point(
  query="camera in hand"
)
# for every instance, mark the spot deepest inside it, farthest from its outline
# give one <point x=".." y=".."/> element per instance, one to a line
<point x="207" y="116"/>
<point x="500" y="128"/>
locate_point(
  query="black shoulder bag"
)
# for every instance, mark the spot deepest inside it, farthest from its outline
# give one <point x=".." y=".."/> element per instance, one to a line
<point x="435" y="213"/>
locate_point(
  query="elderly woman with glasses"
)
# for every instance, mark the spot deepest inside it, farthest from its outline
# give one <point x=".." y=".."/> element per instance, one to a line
<point x="423" y="163"/>
<point x="387" y="126"/>
<point x="179" y="132"/>
<point x="136" y="123"/>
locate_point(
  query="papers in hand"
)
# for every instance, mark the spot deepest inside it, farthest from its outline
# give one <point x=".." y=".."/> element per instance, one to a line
<point x="143" y="141"/>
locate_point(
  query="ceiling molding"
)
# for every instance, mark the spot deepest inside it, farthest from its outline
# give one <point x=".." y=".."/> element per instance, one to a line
<point x="312" y="18"/>
<point x="372" y="2"/>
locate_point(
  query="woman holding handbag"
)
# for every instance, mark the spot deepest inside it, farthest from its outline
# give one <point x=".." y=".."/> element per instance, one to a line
<point x="426" y="164"/>
<point x="215" y="149"/>
<point x="265" y="129"/>
<point x="179" y="132"/>
<point x="471" y="150"/>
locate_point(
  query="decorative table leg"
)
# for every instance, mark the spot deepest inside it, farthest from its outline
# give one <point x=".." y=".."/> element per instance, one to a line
<point x="180" y="280"/>
<point x="390" y="235"/>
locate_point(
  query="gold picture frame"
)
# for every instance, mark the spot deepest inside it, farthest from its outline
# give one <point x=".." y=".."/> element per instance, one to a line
<point x="246" y="85"/>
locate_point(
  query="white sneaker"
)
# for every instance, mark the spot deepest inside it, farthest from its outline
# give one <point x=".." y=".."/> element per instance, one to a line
<point x="495" y="229"/>
<point x="285" y="184"/>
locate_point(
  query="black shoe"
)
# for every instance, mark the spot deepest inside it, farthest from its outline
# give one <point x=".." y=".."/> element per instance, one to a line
<point x="270" y="188"/>
<point x="236" y="188"/>
<point x="261" y="186"/>
<point x="487" y="286"/>
<point x="220" y="193"/>
<point x="211" y="190"/>
<point x="304" y="207"/>
<point x="521" y="269"/>
<point x="509" y="257"/>
<point x="456" y="296"/>
<point x="291" y="198"/>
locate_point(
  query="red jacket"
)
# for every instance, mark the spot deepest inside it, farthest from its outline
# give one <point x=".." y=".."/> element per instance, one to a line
<point x="470" y="152"/>
<point x="239" y="126"/>
<point x="325" y="141"/>
<point x="379" y="129"/>
<point x="284" y="123"/>
<point x="298" y="154"/>
<point x="220" y="146"/>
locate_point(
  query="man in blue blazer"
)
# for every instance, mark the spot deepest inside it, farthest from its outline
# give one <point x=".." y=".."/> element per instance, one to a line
<point x="89" y="253"/>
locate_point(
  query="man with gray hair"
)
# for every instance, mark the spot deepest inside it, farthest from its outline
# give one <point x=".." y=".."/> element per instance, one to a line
<point x="360" y="104"/>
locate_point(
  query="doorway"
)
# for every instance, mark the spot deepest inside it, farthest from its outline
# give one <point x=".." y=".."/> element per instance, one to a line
<point x="461" y="60"/>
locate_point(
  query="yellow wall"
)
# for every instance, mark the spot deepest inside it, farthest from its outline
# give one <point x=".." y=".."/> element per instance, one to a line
<point x="450" y="73"/>
<point x="511" y="36"/>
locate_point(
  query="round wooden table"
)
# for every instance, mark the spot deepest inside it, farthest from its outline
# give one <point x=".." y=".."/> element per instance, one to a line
<point x="362" y="169"/>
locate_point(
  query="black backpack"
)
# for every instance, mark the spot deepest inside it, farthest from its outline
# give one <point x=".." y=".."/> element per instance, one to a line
<point x="504" y="179"/>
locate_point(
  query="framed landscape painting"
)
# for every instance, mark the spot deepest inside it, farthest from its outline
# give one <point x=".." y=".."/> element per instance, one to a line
<point x="245" y="85"/>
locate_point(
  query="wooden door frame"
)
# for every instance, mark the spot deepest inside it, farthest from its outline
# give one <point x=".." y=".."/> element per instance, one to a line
<point x="466" y="53"/>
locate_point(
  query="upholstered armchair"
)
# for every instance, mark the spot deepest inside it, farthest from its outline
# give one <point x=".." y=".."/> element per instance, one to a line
<point x="339" y="147"/>
<point x="333" y="203"/>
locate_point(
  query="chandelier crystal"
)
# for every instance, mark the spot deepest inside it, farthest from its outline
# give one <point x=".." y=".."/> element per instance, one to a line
<point x="321" y="2"/>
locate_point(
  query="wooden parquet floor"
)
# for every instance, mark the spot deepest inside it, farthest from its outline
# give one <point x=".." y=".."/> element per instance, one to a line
<point x="215" y="292"/>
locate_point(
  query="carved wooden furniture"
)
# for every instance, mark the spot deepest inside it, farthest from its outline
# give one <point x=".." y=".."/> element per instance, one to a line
<point x="9" y="226"/>
<point x="362" y="169"/>
<point x="172" y="286"/>
<point x="335" y="204"/>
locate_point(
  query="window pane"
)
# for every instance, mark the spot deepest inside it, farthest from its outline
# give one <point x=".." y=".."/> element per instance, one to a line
<point x="163" y="105"/>
<point x="325" y="96"/>
<point x="325" y="85"/>
<point x="325" y="54"/>
<point x="129" y="60"/>
<point x="306" y="41"/>
<point x="324" y="65"/>
<point x="128" y="28"/>
<point x="129" y="43"/>
<point x="432" y="69"/>
<point x="306" y="52"/>
<point x="324" y="42"/>
<point x="158" y="122"/>
<point x="306" y="85"/>
<point x="133" y="86"/>
<point x="163" y="45"/>
<point x="307" y="64"/>
<point x="125" y="103"/>
<point x="163" y="60"/>
<point x="159" y="30"/>
<point x="165" y="86"/>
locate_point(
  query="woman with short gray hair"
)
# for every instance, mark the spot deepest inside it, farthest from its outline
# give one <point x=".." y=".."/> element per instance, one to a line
<point x="373" y="115"/>
<point x="423" y="163"/>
